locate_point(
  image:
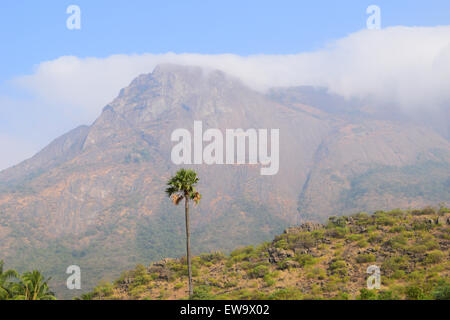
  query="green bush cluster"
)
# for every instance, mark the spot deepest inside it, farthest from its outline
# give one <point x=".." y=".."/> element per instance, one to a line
<point x="435" y="256"/>
<point x="338" y="267"/>
<point x="365" y="257"/>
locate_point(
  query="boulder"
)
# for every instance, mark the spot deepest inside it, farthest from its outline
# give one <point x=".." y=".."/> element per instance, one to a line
<point x="443" y="220"/>
<point x="277" y="255"/>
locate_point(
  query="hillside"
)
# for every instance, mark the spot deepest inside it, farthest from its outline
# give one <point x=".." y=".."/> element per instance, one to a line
<point x="312" y="261"/>
<point x="94" y="197"/>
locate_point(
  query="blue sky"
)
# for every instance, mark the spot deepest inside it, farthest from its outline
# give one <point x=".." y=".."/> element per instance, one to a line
<point x="33" y="32"/>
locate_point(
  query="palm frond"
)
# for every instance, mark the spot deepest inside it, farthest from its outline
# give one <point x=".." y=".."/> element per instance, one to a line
<point x="176" y="199"/>
<point x="196" y="197"/>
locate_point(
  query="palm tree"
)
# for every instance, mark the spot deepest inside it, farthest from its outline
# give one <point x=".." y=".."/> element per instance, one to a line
<point x="33" y="286"/>
<point x="5" y="284"/>
<point x="182" y="186"/>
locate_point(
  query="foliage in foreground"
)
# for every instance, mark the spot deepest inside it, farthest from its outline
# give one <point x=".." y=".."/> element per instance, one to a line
<point x="28" y="286"/>
<point x="312" y="261"/>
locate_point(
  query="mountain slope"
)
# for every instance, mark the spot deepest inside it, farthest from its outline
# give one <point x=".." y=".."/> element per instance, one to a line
<point x="95" y="197"/>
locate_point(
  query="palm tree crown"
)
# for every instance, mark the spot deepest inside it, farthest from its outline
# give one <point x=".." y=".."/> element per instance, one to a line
<point x="182" y="186"/>
<point x="33" y="286"/>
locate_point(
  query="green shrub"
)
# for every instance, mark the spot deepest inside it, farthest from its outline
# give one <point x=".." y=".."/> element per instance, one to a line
<point x="366" y="257"/>
<point x="337" y="232"/>
<point x="269" y="280"/>
<point x="141" y="277"/>
<point x="304" y="240"/>
<point x="212" y="257"/>
<point x="338" y="267"/>
<point x="431" y="244"/>
<point x="397" y="242"/>
<point x="104" y="289"/>
<point x="230" y="284"/>
<point x="421" y="225"/>
<point x="442" y="292"/>
<point x="202" y="292"/>
<point x="363" y="243"/>
<point x="242" y="254"/>
<point x="424" y="211"/>
<point x="87" y="296"/>
<point x="417" y="248"/>
<point x="317" y="273"/>
<point x="399" y="274"/>
<point x="342" y="296"/>
<point x="282" y="244"/>
<point x="434" y="257"/>
<point x="415" y="293"/>
<point x="443" y="210"/>
<point x="305" y="260"/>
<point x="318" y="234"/>
<point x="246" y="294"/>
<point x="387" y="295"/>
<point x="376" y="237"/>
<point x="366" y="294"/>
<point x="181" y="270"/>
<point x="287" y="294"/>
<point x="355" y="237"/>
<point x="416" y="275"/>
<point x="392" y="264"/>
<point x="178" y="286"/>
<point x="361" y="218"/>
<point x="383" y="220"/>
<point x="137" y="291"/>
<point x="258" y="271"/>
<point x="334" y="221"/>
<point x="397" y="229"/>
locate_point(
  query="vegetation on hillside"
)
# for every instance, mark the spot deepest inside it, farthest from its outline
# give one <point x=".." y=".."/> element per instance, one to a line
<point x="28" y="286"/>
<point x="312" y="261"/>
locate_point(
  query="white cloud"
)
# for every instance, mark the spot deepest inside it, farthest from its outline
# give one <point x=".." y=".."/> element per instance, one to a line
<point x="404" y="66"/>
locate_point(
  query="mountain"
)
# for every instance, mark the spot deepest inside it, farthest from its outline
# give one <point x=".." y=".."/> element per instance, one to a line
<point x="311" y="261"/>
<point x="95" y="196"/>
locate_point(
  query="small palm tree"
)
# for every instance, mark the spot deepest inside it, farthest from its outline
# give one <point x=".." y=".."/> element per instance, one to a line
<point x="6" y="286"/>
<point x="182" y="186"/>
<point x="33" y="286"/>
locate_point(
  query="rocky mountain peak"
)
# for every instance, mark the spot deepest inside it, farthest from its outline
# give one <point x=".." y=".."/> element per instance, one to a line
<point x="173" y="88"/>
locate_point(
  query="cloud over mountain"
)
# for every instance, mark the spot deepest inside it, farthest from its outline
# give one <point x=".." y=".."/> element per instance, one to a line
<point x="404" y="66"/>
<point x="401" y="68"/>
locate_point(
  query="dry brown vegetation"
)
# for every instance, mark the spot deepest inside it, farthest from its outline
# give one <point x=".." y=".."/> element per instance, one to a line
<point x="312" y="261"/>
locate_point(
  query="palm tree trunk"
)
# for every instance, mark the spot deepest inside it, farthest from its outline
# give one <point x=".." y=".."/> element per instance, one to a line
<point x="188" y="245"/>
